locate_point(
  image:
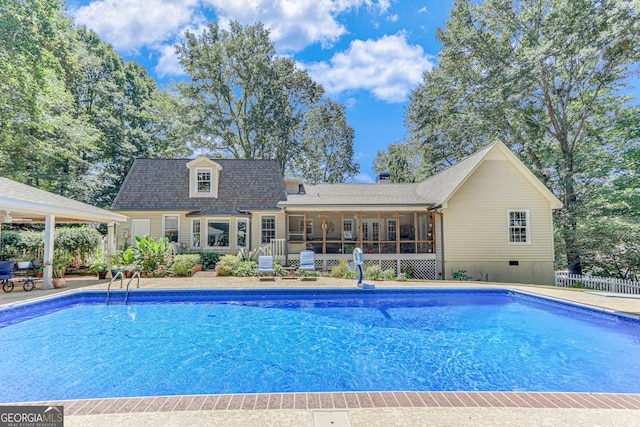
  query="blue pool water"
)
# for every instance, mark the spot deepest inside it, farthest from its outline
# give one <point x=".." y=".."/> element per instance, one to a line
<point x="76" y="347"/>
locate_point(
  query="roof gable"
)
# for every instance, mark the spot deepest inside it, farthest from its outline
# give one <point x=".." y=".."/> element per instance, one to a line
<point x="442" y="186"/>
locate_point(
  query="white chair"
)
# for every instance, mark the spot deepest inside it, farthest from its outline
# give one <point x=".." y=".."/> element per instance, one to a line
<point x="265" y="266"/>
<point x="307" y="262"/>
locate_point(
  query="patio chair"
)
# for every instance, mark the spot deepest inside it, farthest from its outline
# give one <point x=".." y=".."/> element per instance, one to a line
<point x="265" y="266"/>
<point x="307" y="263"/>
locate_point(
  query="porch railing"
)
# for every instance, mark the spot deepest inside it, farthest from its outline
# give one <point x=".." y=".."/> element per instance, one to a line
<point x="565" y="280"/>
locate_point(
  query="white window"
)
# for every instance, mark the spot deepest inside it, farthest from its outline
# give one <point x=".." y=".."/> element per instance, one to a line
<point x="218" y="233"/>
<point x="196" y="225"/>
<point x="242" y="235"/>
<point x="171" y="227"/>
<point x="519" y="227"/>
<point x="203" y="180"/>
<point x="268" y="228"/>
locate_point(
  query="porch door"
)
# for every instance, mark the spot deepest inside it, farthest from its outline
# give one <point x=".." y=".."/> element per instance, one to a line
<point x="139" y="227"/>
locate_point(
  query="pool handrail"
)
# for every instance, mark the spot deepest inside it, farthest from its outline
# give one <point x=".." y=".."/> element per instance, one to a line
<point x="136" y="274"/>
<point x="119" y="274"/>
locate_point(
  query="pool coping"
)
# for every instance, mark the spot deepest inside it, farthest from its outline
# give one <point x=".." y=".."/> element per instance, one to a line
<point x="345" y="401"/>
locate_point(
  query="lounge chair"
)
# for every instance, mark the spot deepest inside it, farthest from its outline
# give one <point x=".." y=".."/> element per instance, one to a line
<point x="265" y="266"/>
<point x="307" y="263"/>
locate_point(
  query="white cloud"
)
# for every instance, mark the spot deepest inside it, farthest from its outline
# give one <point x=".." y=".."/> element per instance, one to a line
<point x="131" y="24"/>
<point x="294" y="24"/>
<point x="168" y="64"/>
<point x="388" y="67"/>
<point x="423" y="9"/>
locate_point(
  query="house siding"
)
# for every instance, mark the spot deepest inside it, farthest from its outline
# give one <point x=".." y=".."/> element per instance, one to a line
<point x="155" y="218"/>
<point x="476" y="226"/>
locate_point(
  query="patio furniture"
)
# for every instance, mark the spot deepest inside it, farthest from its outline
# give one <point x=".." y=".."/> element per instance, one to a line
<point x="307" y="263"/>
<point x="7" y="277"/>
<point x="265" y="266"/>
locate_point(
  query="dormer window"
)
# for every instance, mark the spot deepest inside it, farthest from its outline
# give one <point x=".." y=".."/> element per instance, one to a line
<point x="204" y="175"/>
<point x="203" y="180"/>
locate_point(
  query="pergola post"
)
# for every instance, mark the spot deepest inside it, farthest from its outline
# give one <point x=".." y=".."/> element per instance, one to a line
<point x="49" y="234"/>
<point x="110" y="243"/>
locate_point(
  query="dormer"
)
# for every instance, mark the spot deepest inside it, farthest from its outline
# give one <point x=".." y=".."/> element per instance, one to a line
<point x="204" y="175"/>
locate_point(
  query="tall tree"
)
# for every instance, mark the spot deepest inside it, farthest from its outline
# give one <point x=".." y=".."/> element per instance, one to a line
<point x="541" y="75"/>
<point x="327" y="150"/>
<point x="248" y="102"/>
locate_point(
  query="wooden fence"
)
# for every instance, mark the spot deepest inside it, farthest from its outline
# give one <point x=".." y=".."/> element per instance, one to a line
<point x="565" y="280"/>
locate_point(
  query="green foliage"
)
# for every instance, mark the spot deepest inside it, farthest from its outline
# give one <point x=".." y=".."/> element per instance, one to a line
<point x="99" y="263"/>
<point x="342" y="270"/>
<point x="544" y="78"/>
<point x="460" y="275"/>
<point x="308" y="273"/>
<point x="182" y="263"/>
<point x="327" y="145"/>
<point x="151" y="253"/>
<point x="246" y="269"/>
<point x="80" y="242"/>
<point x="209" y="260"/>
<point x="227" y="264"/>
<point x="71" y="105"/>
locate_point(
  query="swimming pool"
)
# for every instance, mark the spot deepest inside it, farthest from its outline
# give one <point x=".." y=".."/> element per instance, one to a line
<point x="263" y="341"/>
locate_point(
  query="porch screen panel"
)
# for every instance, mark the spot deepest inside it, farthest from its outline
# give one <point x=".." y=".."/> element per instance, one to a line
<point x="333" y="227"/>
<point x="371" y="232"/>
<point x="314" y="232"/>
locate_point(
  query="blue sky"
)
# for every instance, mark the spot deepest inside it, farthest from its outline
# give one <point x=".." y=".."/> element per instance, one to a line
<point x="368" y="54"/>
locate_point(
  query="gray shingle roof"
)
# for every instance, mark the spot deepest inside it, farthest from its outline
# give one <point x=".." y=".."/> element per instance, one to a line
<point x="164" y="184"/>
<point x="434" y="191"/>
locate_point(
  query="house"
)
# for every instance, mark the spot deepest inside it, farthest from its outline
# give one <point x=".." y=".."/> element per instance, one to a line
<point x="488" y="215"/>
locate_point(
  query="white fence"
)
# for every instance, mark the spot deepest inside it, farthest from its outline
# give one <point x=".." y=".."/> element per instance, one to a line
<point x="566" y="280"/>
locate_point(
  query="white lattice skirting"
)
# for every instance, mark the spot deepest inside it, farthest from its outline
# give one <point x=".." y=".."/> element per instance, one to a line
<point x="420" y="268"/>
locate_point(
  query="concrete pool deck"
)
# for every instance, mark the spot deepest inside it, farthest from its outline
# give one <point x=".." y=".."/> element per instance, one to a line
<point x="350" y="409"/>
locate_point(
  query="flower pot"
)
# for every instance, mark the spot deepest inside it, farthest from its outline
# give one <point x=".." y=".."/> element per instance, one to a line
<point x="23" y="265"/>
<point x="102" y="275"/>
<point x="59" y="282"/>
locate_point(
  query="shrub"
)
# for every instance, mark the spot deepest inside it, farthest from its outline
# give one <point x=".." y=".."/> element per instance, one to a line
<point x="388" y="274"/>
<point x="183" y="262"/>
<point x="460" y="275"/>
<point x="227" y="264"/>
<point x="209" y="260"/>
<point x="152" y="253"/>
<point x="342" y="270"/>
<point x="373" y="272"/>
<point x="246" y="269"/>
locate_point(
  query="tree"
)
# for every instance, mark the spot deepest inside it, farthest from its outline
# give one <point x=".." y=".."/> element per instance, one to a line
<point x="327" y="145"/>
<point x="400" y="160"/>
<point x="248" y="102"/>
<point x="541" y="75"/>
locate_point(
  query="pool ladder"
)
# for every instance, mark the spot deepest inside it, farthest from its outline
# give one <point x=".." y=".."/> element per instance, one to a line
<point x="136" y="274"/>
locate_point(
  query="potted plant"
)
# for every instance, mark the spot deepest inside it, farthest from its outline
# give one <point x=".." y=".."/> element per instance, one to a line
<point x="59" y="268"/>
<point x="129" y="261"/>
<point x="24" y="261"/>
<point x="117" y="264"/>
<point x="99" y="265"/>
